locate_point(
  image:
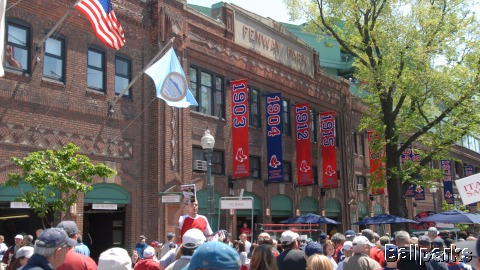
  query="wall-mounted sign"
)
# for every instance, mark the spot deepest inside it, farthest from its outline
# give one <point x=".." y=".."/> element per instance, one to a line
<point x="236" y="204"/>
<point x="104" y="206"/>
<point x="19" y="205"/>
<point x="171" y="198"/>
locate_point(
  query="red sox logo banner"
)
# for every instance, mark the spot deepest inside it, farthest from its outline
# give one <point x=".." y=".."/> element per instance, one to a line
<point x="302" y="137"/>
<point x="241" y="163"/>
<point x="274" y="137"/>
<point x="329" y="153"/>
<point x="446" y="166"/>
<point x="375" y="157"/>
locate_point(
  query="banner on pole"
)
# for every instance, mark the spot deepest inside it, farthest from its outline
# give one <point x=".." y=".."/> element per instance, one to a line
<point x="446" y="166"/>
<point x="302" y="138"/>
<point x="274" y="137"/>
<point x="375" y="157"/>
<point x="241" y="160"/>
<point x="329" y="152"/>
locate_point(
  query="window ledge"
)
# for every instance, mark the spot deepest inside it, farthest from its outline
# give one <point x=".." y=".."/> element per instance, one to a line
<point x="210" y="117"/>
<point x="54" y="83"/>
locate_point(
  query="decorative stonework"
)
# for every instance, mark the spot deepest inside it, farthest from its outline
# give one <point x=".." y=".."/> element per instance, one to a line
<point x="15" y="134"/>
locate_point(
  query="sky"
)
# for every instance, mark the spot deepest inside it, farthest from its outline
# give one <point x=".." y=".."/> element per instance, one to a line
<point x="274" y="9"/>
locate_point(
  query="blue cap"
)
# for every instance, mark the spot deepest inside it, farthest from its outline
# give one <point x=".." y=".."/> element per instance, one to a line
<point x="55" y="237"/>
<point x="438" y="242"/>
<point x="313" y="248"/>
<point x="391" y="253"/>
<point x="216" y="255"/>
<point x="323" y="236"/>
<point x="350" y="233"/>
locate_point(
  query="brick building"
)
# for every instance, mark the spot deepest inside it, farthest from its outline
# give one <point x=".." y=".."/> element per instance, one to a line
<point x="58" y="92"/>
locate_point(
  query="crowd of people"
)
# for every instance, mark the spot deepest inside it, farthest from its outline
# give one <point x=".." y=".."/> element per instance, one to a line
<point x="197" y="247"/>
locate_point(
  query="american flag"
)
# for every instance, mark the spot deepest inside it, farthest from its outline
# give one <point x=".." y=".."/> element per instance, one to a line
<point x="104" y="22"/>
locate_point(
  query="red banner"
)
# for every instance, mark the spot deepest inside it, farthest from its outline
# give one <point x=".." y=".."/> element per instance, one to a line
<point x="241" y="162"/>
<point x="329" y="152"/>
<point x="302" y="136"/>
<point x="375" y="156"/>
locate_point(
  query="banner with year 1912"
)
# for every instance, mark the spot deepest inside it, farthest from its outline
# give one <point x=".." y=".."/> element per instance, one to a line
<point x="302" y="138"/>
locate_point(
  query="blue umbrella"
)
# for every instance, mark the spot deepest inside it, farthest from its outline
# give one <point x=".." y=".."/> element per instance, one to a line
<point x="385" y="219"/>
<point x="310" y="219"/>
<point x="453" y="216"/>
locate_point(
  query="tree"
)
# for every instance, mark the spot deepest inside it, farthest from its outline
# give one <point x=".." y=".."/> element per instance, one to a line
<point x="420" y="63"/>
<point x="63" y="171"/>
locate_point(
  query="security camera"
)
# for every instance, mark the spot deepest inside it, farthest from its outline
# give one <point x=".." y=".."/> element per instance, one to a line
<point x="351" y="201"/>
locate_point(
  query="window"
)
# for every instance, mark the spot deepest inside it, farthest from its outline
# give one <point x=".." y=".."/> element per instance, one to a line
<point x="355" y="143"/>
<point x="255" y="166"/>
<point x="362" y="144"/>
<point x="313" y="126"/>
<point x="287" y="171"/>
<point x="254" y="108"/>
<point x="362" y="180"/>
<point x="17" y="52"/>
<point x="208" y="90"/>
<point x="96" y="70"/>
<point x="286" y="117"/>
<point x="122" y="75"/>
<point x="217" y="159"/>
<point x="54" y="59"/>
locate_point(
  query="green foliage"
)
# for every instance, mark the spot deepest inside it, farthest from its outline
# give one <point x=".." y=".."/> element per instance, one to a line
<point x="420" y="62"/>
<point x="61" y="170"/>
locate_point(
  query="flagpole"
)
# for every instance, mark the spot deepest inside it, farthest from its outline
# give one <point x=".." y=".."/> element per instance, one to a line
<point x="112" y="103"/>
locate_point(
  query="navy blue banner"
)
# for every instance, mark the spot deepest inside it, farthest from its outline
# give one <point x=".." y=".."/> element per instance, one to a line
<point x="446" y="167"/>
<point x="274" y="137"/>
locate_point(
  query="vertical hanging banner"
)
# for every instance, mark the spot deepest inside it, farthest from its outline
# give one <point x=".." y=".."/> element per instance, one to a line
<point x="446" y="166"/>
<point x="375" y="156"/>
<point x="329" y="153"/>
<point x="419" y="190"/>
<point x="407" y="155"/>
<point x="274" y="137"/>
<point x="302" y="137"/>
<point x="241" y="161"/>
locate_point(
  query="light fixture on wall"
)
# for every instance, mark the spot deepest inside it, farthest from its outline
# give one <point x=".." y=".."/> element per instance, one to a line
<point x="232" y="212"/>
<point x="309" y="191"/>
<point x="267" y="211"/>
<point x="297" y="212"/>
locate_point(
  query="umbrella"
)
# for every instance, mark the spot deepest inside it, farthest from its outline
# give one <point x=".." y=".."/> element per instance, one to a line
<point x="310" y="218"/>
<point x="385" y="219"/>
<point x="453" y="216"/>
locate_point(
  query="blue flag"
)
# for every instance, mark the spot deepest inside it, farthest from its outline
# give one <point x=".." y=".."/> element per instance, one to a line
<point x="170" y="81"/>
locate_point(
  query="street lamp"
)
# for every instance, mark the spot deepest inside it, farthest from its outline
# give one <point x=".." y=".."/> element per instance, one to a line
<point x="433" y="190"/>
<point x="208" y="141"/>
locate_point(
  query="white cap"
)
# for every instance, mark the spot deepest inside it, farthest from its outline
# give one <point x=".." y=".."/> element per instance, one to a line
<point x="115" y="259"/>
<point x="347" y="245"/>
<point x="361" y="241"/>
<point x="193" y="238"/>
<point x="26" y="252"/>
<point x="148" y="252"/>
<point x="19" y="236"/>
<point x="288" y="237"/>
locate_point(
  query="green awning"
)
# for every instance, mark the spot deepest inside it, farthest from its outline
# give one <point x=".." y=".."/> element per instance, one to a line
<point x="362" y="210"/>
<point x="202" y="198"/>
<point x="257" y="206"/>
<point x="377" y="210"/>
<point x="9" y="194"/>
<point x="281" y="205"/>
<point x="332" y="208"/>
<point x="308" y="205"/>
<point x="107" y="193"/>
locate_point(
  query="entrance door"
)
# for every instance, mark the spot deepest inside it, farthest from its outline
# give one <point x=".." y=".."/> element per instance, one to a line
<point x="103" y="230"/>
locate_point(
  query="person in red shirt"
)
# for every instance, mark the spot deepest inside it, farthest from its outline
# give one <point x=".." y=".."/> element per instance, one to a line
<point x="147" y="263"/>
<point x="73" y="260"/>
<point x="246" y="230"/>
<point x="193" y="220"/>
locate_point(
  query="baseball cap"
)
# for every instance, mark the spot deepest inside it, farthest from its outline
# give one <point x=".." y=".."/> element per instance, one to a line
<point x="114" y="259"/>
<point x="288" y="237"/>
<point x="369" y="234"/>
<point x="322" y="236"/>
<point x="313" y="248"/>
<point x="19" y="236"/>
<point x="170" y="235"/>
<point x="155" y="244"/>
<point x="432" y="231"/>
<point x="214" y="254"/>
<point x="438" y="242"/>
<point x="54" y="237"/>
<point x="148" y="252"/>
<point x="424" y="240"/>
<point x="347" y="245"/>
<point x="350" y="233"/>
<point x="69" y="226"/>
<point x="142" y="237"/>
<point x="26" y="252"/>
<point x="361" y="240"/>
<point x="193" y="238"/>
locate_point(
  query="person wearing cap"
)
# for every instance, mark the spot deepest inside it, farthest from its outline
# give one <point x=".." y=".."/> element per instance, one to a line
<point x="214" y="255"/>
<point x="427" y="254"/>
<point x="157" y="246"/>
<point x="376" y="253"/>
<point x="349" y="235"/>
<point x="338" y="240"/>
<point x="322" y="238"/>
<point x="291" y="257"/>
<point x="9" y="255"/>
<point x="347" y="250"/>
<point x="22" y="256"/>
<point x="114" y="259"/>
<point x="170" y="239"/>
<point x="313" y="248"/>
<point x="141" y="246"/>
<point x="73" y="260"/>
<point x="147" y="263"/>
<point x="193" y="220"/>
<point x="361" y="259"/>
<point x="50" y="250"/>
<point x="192" y="239"/>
